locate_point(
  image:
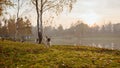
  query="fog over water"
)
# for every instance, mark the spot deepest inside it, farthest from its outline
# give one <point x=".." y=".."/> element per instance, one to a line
<point x="105" y="36"/>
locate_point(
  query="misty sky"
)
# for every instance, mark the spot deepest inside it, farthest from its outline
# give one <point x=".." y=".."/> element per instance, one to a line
<point x="89" y="11"/>
<point x="94" y="11"/>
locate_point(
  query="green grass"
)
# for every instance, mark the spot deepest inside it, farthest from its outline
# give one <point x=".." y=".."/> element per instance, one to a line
<point x="27" y="55"/>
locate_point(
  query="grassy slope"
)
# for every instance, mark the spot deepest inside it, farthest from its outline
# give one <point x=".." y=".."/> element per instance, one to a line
<point x="26" y="55"/>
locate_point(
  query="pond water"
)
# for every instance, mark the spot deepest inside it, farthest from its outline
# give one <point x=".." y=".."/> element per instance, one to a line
<point x="111" y="43"/>
<point x="104" y="45"/>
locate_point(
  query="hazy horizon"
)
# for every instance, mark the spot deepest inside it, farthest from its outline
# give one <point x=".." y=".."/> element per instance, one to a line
<point x="93" y="11"/>
<point x="89" y="11"/>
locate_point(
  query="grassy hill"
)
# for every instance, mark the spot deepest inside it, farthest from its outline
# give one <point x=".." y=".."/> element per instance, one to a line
<point x="27" y="55"/>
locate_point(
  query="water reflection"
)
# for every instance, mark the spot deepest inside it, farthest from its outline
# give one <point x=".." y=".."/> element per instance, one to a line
<point x="111" y="44"/>
<point x="104" y="45"/>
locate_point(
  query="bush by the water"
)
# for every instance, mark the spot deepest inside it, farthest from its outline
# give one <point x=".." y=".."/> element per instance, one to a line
<point x="27" y="55"/>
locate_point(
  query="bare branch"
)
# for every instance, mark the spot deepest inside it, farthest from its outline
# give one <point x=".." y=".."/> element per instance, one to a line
<point x="45" y="2"/>
<point x="49" y="7"/>
<point x="33" y="2"/>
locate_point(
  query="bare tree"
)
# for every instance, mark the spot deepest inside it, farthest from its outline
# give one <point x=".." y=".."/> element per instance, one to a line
<point x="56" y="6"/>
<point x="38" y="17"/>
<point x="18" y="9"/>
<point x="20" y="4"/>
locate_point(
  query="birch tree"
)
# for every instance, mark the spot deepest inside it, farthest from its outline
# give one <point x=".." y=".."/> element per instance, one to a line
<point x="55" y="6"/>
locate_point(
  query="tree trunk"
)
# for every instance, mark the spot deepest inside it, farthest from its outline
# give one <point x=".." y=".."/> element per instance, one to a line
<point x="16" y="33"/>
<point x="39" y="18"/>
<point x="41" y="21"/>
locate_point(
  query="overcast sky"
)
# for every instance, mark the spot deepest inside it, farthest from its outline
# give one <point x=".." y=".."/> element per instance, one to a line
<point x="89" y="11"/>
<point x="96" y="11"/>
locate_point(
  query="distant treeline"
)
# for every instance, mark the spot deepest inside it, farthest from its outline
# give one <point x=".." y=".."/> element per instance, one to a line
<point x="23" y="28"/>
<point x="83" y="30"/>
<point x="10" y="28"/>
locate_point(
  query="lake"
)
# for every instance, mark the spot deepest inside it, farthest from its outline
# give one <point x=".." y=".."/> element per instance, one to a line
<point x="109" y="42"/>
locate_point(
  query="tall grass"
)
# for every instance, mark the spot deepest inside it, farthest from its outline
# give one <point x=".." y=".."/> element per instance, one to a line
<point x="27" y="55"/>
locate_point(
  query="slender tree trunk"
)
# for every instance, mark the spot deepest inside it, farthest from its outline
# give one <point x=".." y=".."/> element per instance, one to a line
<point x="39" y="18"/>
<point x="41" y="21"/>
<point x="16" y="32"/>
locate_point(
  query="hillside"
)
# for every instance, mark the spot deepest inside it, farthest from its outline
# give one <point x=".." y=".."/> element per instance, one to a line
<point x="27" y="55"/>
